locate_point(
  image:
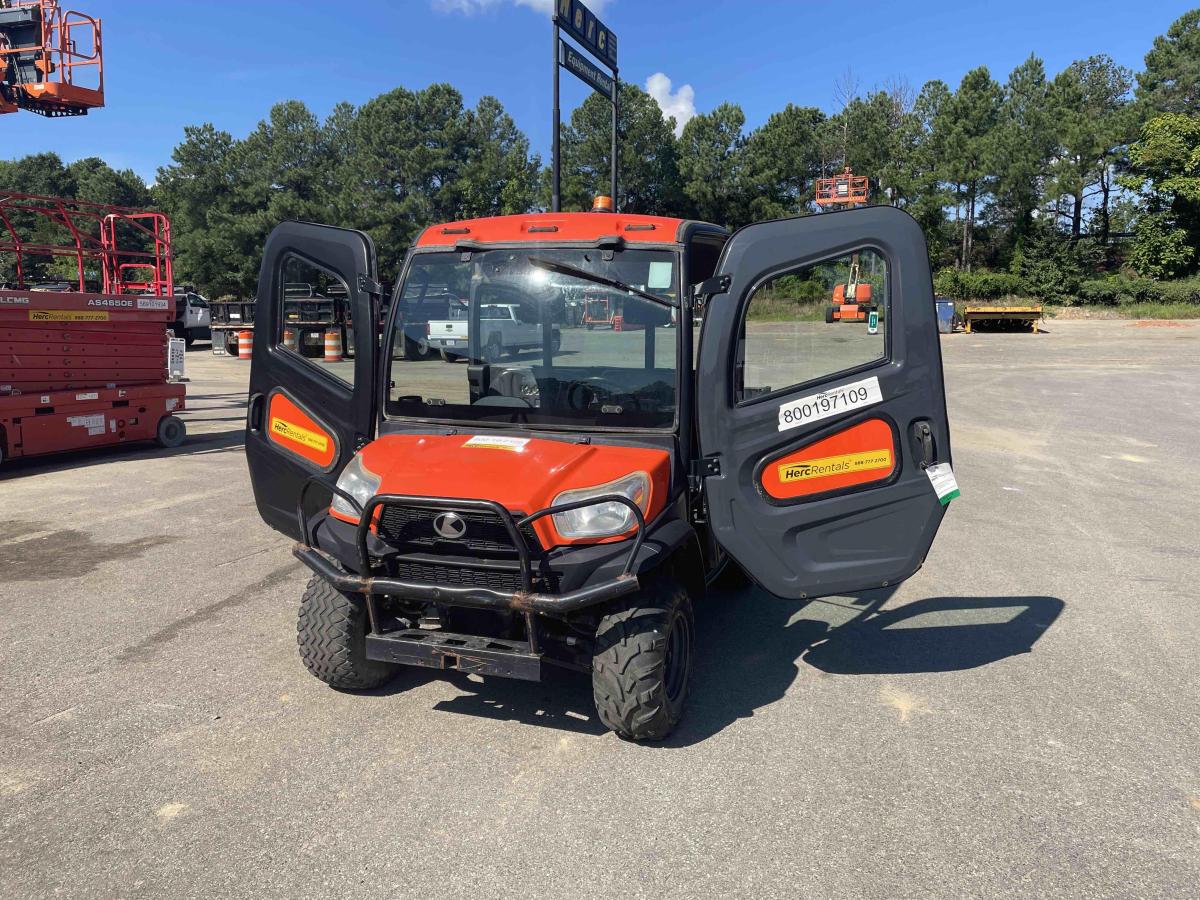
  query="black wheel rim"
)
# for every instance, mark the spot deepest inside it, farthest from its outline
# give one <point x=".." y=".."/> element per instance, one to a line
<point x="679" y="656"/>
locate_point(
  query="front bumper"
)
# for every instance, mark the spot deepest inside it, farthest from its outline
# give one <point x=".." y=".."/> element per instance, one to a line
<point x="371" y="579"/>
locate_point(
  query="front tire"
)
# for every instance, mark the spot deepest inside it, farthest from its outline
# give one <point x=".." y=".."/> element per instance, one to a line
<point x="332" y="635"/>
<point x="642" y="663"/>
<point x="171" y="432"/>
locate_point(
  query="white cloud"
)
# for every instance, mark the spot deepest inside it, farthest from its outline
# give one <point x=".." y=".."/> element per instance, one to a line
<point x="470" y="7"/>
<point x="681" y="104"/>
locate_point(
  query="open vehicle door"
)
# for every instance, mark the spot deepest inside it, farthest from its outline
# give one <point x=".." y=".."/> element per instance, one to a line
<point x="307" y="417"/>
<point x="817" y="437"/>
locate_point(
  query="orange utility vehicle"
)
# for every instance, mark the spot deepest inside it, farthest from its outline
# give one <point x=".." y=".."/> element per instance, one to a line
<point x="567" y="505"/>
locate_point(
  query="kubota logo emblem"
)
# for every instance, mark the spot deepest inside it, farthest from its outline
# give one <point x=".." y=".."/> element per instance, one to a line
<point x="450" y="526"/>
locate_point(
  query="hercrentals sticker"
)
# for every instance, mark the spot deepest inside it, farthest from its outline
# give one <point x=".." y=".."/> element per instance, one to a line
<point x="292" y="432"/>
<point x="65" y="315"/>
<point x="835" y="465"/>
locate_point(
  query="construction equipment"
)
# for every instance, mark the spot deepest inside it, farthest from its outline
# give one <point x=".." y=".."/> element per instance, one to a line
<point x="84" y="364"/>
<point x="844" y="190"/>
<point x="51" y="60"/>
<point x="997" y="315"/>
<point x="851" y="301"/>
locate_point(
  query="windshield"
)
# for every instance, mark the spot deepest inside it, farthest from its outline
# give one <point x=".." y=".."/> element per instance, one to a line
<point x="515" y="337"/>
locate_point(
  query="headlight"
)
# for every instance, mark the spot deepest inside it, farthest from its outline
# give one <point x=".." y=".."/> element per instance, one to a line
<point x="360" y="483"/>
<point x="602" y="519"/>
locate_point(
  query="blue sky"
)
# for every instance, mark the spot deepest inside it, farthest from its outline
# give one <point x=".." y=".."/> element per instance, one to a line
<point x="171" y="63"/>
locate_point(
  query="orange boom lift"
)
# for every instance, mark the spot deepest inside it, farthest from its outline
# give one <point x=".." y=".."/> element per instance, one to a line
<point x="851" y="301"/>
<point x="51" y="60"/>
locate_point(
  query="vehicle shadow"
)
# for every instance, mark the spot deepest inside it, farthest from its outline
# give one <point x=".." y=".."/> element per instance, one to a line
<point x="750" y="648"/>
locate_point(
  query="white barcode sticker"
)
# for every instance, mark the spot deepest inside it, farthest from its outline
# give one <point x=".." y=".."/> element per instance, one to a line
<point x="828" y="403"/>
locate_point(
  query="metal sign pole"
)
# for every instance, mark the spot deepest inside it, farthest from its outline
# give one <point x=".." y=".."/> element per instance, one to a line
<point x="555" y="198"/>
<point x="616" y="101"/>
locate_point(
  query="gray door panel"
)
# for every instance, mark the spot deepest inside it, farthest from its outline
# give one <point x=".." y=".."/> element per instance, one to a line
<point x="346" y="412"/>
<point x="845" y="538"/>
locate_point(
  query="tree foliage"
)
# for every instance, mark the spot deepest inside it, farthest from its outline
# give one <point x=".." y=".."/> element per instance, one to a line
<point x="1029" y="174"/>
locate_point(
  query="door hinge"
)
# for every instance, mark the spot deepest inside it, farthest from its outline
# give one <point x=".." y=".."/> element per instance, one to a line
<point x="710" y="287"/>
<point x="705" y="467"/>
<point x="368" y="285"/>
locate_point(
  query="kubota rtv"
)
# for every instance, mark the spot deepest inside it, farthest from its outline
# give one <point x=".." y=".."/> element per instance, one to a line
<point x="565" y="503"/>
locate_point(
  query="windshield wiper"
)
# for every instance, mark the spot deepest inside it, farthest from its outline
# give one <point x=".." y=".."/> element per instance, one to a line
<point x="563" y="269"/>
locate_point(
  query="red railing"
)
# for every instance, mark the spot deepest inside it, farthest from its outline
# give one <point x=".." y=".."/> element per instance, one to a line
<point x="99" y="236"/>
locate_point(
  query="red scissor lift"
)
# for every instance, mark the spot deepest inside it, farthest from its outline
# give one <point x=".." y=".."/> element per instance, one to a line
<point x="51" y="60"/>
<point x="83" y="363"/>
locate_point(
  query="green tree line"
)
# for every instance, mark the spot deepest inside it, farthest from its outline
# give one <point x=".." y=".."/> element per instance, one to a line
<point x="1020" y="184"/>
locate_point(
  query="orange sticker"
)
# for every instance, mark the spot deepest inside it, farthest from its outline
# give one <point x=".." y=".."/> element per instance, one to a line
<point x="861" y="454"/>
<point x="294" y="430"/>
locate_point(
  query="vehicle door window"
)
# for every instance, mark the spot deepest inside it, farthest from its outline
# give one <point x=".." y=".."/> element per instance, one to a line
<point x="809" y="323"/>
<point x="308" y="292"/>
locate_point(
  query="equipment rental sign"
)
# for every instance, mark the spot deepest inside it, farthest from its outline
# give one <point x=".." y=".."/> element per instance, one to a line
<point x="577" y="65"/>
<point x="577" y="20"/>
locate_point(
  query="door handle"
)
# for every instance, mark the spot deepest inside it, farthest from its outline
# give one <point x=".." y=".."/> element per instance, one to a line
<point x="920" y="436"/>
<point x="254" y="413"/>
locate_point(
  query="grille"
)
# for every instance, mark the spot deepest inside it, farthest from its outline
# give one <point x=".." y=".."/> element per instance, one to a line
<point x="497" y="579"/>
<point x="411" y="528"/>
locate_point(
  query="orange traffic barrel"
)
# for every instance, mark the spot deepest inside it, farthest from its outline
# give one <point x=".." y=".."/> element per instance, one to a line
<point x="245" y="344"/>
<point x="290" y="339"/>
<point x="333" y="345"/>
<point x="618" y="323"/>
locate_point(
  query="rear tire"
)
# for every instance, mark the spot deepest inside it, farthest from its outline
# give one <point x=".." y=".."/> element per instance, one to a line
<point x="448" y="357"/>
<point x="331" y="633"/>
<point x="829" y="315"/>
<point x="171" y="432"/>
<point x="642" y="663"/>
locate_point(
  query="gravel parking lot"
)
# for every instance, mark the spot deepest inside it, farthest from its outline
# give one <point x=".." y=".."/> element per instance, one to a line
<point x="1020" y="717"/>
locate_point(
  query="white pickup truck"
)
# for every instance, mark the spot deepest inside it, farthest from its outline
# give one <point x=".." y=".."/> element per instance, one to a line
<point x="503" y="332"/>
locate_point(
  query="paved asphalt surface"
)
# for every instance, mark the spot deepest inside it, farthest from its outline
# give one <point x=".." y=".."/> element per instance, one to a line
<point x="1019" y="718"/>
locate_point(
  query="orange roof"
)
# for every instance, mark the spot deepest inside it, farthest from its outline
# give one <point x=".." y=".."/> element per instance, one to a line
<point x="553" y="228"/>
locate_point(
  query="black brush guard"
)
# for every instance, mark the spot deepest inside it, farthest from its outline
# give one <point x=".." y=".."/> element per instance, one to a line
<point x="511" y="659"/>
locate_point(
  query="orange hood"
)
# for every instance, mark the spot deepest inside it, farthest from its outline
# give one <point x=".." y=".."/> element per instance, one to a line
<point x="522" y="474"/>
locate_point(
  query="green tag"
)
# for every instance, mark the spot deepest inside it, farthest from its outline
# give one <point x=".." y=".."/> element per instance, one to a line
<point x="873" y="322"/>
<point x="944" y="483"/>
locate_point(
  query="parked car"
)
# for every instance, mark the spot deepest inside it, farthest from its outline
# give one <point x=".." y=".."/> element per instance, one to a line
<point x="503" y="331"/>
<point x="192" y="317"/>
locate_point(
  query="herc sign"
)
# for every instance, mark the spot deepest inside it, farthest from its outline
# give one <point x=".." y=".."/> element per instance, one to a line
<point x="577" y="20"/>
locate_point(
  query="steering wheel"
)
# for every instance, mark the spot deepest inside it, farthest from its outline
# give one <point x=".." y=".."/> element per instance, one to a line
<point x="597" y="387"/>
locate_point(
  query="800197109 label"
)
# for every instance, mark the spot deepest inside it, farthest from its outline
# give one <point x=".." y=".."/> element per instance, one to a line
<point x="828" y="403"/>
